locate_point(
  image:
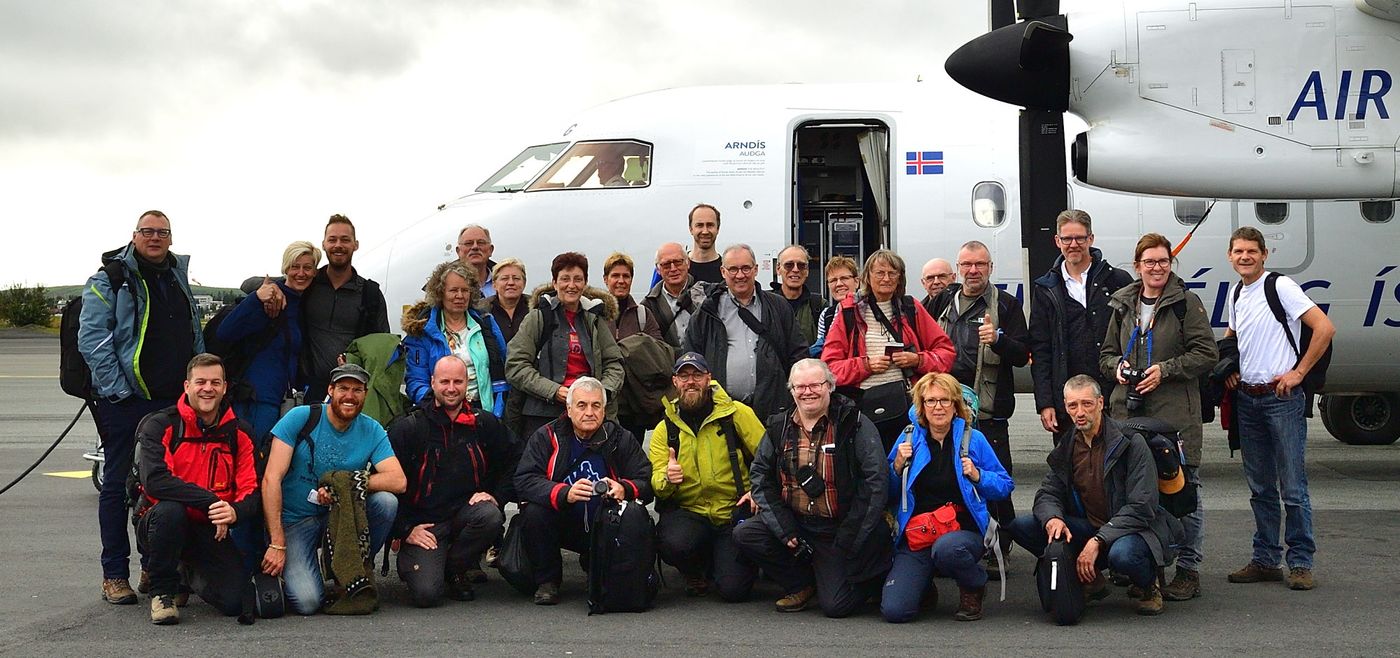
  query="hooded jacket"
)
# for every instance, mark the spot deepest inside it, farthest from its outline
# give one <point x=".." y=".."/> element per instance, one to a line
<point x="708" y="488"/>
<point x="994" y="484"/>
<point x="112" y="324"/>
<point x="201" y="466"/>
<point x="382" y="356"/>
<point x="544" y="463"/>
<point x="1130" y="486"/>
<point x="1049" y="341"/>
<point x="1183" y="345"/>
<point x="692" y="296"/>
<point x="447" y="460"/>
<point x="847" y="357"/>
<point x="776" y="352"/>
<point x="536" y="364"/>
<point x="424" y="343"/>
<point x="274" y="369"/>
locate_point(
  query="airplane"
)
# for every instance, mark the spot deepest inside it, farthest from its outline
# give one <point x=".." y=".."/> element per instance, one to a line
<point x="923" y="167"/>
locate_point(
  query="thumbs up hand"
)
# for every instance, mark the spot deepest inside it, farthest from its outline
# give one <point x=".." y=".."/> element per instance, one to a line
<point x="987" y="333"/>
<point x="674" y="474"/>
<point x="271" y="296"/>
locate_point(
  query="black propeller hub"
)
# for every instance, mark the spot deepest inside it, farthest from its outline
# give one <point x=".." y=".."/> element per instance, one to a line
<point x="1024" y="64"/>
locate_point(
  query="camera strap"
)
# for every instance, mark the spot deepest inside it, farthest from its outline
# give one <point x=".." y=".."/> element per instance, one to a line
<point x="1146" y="339"/>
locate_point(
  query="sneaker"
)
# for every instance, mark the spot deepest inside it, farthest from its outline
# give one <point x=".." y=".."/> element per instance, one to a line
<point x="1300" y="578"/>
<point x="970" y="603"/>
<point x="143" y="584"/>
<point x="118" y="591"/>
<point x="796" y="601"/>
<point x="1186" y="585"/>
<point x="1256" y="573"/>
<point x="1150" y="602"/>
<point x="696" y="586"/>
<point x="1096" y="590"/>
<point x="547" y="594"/>
<point x="163" y="610"/>
<point x="459" y="587"/>
<point x="475" y="575"/>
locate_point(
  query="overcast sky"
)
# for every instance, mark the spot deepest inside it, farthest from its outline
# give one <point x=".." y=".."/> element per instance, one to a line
<point x="250" y="123"/>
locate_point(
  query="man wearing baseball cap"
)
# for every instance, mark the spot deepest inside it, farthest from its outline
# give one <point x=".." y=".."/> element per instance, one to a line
<point x="311" y="441"/>
<point x="700" y="456"/>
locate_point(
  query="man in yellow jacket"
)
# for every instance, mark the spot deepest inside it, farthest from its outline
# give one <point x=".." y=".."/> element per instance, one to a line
<point x="700" y="456"/>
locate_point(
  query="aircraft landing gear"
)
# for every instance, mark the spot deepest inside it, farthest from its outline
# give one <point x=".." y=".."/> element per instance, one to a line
<point x="1369" y="419"/>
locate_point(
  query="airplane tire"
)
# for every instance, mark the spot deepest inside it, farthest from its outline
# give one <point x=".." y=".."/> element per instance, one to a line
<point x="1372" y="419"/>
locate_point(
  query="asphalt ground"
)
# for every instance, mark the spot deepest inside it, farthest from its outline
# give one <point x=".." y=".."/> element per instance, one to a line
<point x="50" y="604"/>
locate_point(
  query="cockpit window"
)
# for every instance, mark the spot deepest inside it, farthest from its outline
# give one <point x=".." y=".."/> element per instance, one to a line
<point x="520" y="171"/>
<point x="597" y="165"/>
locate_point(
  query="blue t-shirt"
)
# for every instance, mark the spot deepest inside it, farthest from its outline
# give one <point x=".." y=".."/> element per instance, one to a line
<point x="363" y="443"/>
<point x="588" y="465"/>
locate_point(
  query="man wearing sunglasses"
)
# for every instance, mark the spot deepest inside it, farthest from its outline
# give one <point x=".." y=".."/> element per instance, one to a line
<point x="140" y="297"/>
<point x="806" y="306"/>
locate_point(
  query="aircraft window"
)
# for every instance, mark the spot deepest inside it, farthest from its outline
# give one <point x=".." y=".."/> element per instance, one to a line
<point x="520" y="171"/>
<point x="1271" y="213"/>
<point x="1189" y="211"/>
<point x="598" y="165"/>
<point x="1377" y="212"/>
<point x="988" y="204"/>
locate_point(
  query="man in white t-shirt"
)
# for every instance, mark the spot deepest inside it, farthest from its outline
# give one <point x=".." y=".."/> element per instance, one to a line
<point x="1270" y="403"/>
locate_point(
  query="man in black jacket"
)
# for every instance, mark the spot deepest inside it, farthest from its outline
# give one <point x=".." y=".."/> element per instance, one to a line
<point x="1069" y="317"/>
<point x="820" y="480"/>
<point x="339" y="307"/>
<point x="1101" y="496"/>
<point x="561" y="463"/>
<point x="459" y="464"/>
<point x="747" y="335"/>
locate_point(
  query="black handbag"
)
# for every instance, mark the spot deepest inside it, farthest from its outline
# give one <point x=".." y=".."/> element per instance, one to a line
<point x="1057" y="582"/>
<point x="512" y="561"/>
<point x="887" y="401"/>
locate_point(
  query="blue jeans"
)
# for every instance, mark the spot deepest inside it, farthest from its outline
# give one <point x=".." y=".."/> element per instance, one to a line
<point x="956" y="554"/>
<point x="1273" y="433"/>
<point x="1192" y="550"/>
<point x="1129" y="555"/>
<point x="116" y="424"/>
<point x="304" y="582"/>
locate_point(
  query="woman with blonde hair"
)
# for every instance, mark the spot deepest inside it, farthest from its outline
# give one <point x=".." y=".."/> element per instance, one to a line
<point x="940" y="502"/>
<point x="445" y="322"/>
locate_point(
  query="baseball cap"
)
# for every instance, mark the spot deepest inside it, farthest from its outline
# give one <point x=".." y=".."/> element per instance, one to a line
<point x="1161" y="441"/>
<point x="692" y="359"/>
<point x="352" y="371"/>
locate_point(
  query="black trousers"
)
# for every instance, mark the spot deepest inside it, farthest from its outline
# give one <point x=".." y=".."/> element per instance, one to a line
<point x="998" y="434"/>
<point x="546" y="532"/>
<point x="215" y="568"/>
<point x="827" y="570"/>
<point x="461" y="540"/>
<point x="696" y="547"/>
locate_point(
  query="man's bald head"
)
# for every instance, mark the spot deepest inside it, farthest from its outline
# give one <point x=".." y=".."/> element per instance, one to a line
<point x="936" y="276"/>
<point x="674" y="266"/>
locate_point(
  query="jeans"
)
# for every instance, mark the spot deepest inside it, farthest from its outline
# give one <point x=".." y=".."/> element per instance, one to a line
<point x="460" y="540"/>
<point x="693" y="545"/>
<point x="116" y="424"/>
<point x="1129" y="555"/>
<point x="1192" y="550"/>
<point x="304" y="582"/>
<point x="170" y="538"/>
<point x="1273" y="433"/>
<point x="957" y="555"/>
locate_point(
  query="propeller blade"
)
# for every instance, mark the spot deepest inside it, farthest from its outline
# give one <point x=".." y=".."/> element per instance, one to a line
<point x="1024" y="64"/>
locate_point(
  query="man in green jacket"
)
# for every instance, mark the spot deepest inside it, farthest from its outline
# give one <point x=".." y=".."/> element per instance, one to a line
<point x="700" y="456"/>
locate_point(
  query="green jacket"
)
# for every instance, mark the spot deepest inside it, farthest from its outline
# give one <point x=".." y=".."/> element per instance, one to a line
<point x="382" y="356"/>
<point x="536" y="364"/>
<point x="708" y="488"/>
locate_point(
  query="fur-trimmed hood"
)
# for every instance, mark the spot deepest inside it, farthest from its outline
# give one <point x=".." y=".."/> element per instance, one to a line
<point x="593" y="299"/>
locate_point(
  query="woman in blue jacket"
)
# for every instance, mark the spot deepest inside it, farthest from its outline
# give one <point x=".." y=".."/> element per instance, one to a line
<point x="939" y="476"/>
<point x="447" y="322"/>
<point x="271" y="344"/>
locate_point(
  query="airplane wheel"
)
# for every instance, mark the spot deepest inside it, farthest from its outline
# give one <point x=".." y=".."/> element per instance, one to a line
<point x="1372" y="419"/>
<point x="97" y="476"/>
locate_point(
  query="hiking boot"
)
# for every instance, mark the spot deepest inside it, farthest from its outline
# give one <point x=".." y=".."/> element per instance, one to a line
<point x="1300" y="578"/>
<point x="796" y="601"/>
<point x="182" y="599"/>
<point x="1135" y="592"/>
<point x="118" y="591"/>
<point x="143" y="584"/>
<point x="1256" y="573"/>
<point x="1097" y="590"/>
<point x="1186" y="585"/>
<point x="1150" y="601"/>
<point x="547" y="594"/>
<point x="475" y="575"/>
<point x="163" y="610"/>
<point x="970" y="603"/>
<point x="696" y="586"/>
<point x="459" y="587"/>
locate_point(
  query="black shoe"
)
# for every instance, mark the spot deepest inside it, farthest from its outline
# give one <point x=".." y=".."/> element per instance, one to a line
<point x="475" y="575"/>
<point x="547" y="594"/>
<point x="459" y="588"/>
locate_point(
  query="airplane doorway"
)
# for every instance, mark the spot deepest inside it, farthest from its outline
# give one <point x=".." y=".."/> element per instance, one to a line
<point x="840" y="191"/>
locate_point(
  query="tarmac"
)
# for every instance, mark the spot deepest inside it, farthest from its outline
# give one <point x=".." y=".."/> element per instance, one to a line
<point x="51" y="604"/>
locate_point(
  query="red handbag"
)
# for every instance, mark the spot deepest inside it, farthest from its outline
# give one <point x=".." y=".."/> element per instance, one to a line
<point x="926" y="528"/>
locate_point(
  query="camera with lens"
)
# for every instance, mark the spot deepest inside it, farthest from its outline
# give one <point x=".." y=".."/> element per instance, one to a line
<point x="1134" y="376"/>
<point x="803" y="551"/>
<point x="602" y="487"/>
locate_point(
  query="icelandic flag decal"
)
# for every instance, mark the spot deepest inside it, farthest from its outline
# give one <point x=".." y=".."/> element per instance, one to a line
<point x="923" y="162"/>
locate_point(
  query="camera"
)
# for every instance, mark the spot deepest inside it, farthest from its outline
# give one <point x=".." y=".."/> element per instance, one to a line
<point x="803" y="551"/>
<point x="602" y="487"/>
<point x="1134" y="376"/>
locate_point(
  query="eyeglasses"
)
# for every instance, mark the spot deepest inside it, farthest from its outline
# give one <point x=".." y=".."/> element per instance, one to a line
<point x="975" y="265"/>
<point x="691" y="376"/>
<point x="795" y="265"/>
<point x="807" y="388"/>
<point x="1154" y="263"/>
<point x="839" y="279"/>
<point x="885" y="274"/>
<point x="474" y="243"/>
<point x="1073" y="239"/>
<point x="939" y="277"/>
<point x="938" y="402"/>
<point x="668" y="264"/>
<point x="153" y="232"/>
<point x="740" y="269"/>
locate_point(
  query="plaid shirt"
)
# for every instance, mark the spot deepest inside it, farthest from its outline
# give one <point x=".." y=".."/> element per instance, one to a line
<point x="811" y="449"/>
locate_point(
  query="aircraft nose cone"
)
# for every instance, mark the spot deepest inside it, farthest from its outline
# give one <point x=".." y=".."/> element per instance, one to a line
<point x="1025" y="64"/>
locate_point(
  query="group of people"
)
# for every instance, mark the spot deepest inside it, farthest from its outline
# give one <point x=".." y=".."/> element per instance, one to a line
<point x="850" y="451"/>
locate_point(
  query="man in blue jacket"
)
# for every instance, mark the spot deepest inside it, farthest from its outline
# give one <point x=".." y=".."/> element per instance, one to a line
<point x="138" y="328"/>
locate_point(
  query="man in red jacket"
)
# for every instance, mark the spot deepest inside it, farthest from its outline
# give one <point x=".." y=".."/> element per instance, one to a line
<point x="195" y="462"/>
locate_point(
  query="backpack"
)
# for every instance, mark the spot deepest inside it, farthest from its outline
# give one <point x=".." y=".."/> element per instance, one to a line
<point x="74" y="375"/>
<point x="1165" y="444"/>
<point x="735" y="446"/>
<point x="1057" y="583"/>
<point x="238" y="355"/>
<point x="136" y="492"/>
<point x="1317" y="376"/>
<point x="622" y="574"/>
<point x="1209" y="392"/>
<point x="646" y="366"/>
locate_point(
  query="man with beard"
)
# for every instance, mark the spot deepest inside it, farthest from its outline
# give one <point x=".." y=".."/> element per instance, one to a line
<point x="704" y="232"/>
<point x="700" y="455"/>
<point x="295" y="507"/>
<point x="339" y="307"/>
<point x="474" y="249"/>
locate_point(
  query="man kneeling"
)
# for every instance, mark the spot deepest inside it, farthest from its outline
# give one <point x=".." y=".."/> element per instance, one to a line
<point x="197" y="479"/>
<point x="1114" y="480"/>
<point x="459" y="464"/>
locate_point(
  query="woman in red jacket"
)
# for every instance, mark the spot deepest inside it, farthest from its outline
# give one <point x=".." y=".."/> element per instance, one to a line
<point x="881" y="342"/>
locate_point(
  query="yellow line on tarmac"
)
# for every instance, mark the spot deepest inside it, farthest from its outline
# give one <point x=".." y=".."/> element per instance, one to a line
<point x="28" y="376"/>
<point x="76" y="475"/>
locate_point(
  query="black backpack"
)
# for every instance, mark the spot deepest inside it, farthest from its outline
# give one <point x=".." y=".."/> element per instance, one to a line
<point x="1165" y="444"/>
<point x="1209" y="391"/>
<point x="622" y="575"/>
<point x="74" y="375"/>
<point x="1317" y="376"/>
<point x="1057" y="582"/>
